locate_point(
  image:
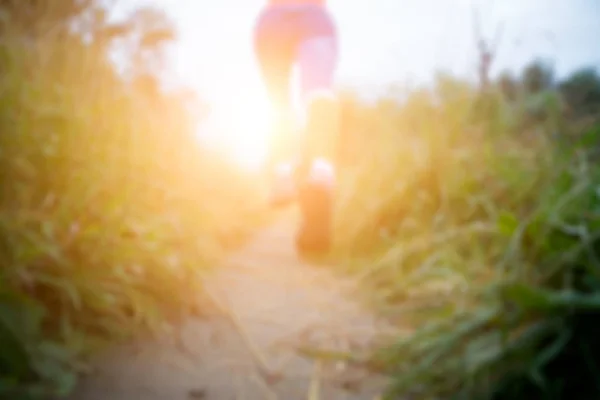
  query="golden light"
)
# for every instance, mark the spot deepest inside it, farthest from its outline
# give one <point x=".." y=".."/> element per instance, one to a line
<point x="241" y="127"/>
<point x="248" y="133"/>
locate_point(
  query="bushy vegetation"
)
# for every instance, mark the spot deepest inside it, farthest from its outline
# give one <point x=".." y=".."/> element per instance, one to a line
<point x="110" y="212"/>
<point x="473" y="217"/>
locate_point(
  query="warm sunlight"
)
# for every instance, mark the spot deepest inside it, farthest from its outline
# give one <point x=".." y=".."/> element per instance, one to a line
<point x="240" y="127"/>
<point x="246" y="127"/>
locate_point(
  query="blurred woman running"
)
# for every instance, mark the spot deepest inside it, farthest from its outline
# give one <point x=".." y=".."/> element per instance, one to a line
<point x="301" y="34"/>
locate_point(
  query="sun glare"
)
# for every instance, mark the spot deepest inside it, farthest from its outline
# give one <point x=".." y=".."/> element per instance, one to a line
<point x="248" y="129"/>
<point x="241" y="129"/>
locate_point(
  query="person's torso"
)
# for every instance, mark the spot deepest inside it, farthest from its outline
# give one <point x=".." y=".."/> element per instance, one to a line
<point x="296" y="2"/>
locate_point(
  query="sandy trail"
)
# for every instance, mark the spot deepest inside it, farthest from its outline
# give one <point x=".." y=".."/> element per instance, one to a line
<point x="271" y="302"/>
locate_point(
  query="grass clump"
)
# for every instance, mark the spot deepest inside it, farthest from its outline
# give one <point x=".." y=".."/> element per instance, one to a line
<point x="110" y="212"/>
<point x="475" y="220"/>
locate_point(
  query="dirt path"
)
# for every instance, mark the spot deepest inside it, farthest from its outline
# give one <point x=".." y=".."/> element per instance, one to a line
<point x="272" y="303"/>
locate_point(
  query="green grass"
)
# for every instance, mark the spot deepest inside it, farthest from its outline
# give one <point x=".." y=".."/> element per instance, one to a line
<point x="473" y="221"/>
<point x="477" y="228"/>
<point x="110" y="213"/>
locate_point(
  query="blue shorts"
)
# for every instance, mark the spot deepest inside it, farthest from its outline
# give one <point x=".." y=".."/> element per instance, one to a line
<point x="296" y="35"/>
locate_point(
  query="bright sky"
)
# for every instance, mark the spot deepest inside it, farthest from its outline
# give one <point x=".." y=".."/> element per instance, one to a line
<point x="382" y="42"/>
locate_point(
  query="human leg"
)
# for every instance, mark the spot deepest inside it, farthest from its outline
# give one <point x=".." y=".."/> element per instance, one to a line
<point x="274" y="45"/>
<point x="317" y="57"/>
<point x="274" y="48"/>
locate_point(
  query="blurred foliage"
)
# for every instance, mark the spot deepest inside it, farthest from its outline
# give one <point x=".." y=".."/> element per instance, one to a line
<point x="470" y="215"/>
<point x="474" y="220"/>
<point x="110" y="212"/>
